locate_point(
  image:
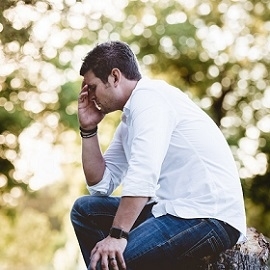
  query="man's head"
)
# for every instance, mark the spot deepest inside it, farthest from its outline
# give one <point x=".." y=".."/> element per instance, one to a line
<point x="106" y="56"/>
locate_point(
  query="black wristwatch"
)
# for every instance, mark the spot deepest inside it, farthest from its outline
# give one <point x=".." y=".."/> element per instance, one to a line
<point x="118" y="233"/>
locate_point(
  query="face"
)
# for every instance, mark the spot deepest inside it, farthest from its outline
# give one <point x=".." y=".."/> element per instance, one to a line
<point x="103" y="95"/>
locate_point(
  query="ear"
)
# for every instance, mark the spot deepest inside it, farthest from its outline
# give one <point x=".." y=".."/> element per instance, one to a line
<point x="115" y="76"/>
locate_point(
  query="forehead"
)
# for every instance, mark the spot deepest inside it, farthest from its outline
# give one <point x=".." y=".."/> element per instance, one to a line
<point x="90" y="78"/>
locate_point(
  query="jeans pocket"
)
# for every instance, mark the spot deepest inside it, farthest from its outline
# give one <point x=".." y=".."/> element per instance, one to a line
<point x="210" y="244"/>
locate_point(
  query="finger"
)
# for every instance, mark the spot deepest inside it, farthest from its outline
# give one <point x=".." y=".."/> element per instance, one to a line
<point x="84" y="88"/>
<point x="93" y="251"/>
<point x="94" y="260"/>
<point x="84" y="91"/>
<point x="121" y="260"/>
<point x="104" y="263"/>
<point x="113" y="263"/>
<point x="83" y="95"/>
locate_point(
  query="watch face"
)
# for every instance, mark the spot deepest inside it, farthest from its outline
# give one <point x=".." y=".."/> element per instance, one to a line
<point x="118" y="233"/>
<point x="115" y="233"/>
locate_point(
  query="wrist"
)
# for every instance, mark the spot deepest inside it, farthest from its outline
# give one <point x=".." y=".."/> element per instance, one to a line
<point x="88" y="133"/>
<point x="88" y="130"/>
<point x="118" y="233"/>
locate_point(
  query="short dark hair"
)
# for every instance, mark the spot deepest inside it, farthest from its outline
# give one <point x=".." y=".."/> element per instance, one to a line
<point x="108" y="55"/>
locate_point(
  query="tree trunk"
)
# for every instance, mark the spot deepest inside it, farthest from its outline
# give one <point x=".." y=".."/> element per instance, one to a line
<point x="251" y="255"/>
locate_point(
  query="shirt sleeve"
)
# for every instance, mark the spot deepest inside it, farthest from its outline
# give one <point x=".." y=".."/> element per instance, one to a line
<point x="150" y="129"/>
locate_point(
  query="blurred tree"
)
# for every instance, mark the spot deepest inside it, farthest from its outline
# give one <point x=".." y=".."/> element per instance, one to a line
<point x="216" y="51"/>
<point x="12" y="120"/>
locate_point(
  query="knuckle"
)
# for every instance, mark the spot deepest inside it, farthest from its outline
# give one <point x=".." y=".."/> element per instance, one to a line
<point x="103" y="265"/>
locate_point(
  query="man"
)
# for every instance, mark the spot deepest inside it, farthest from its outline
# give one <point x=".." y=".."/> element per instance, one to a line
<point x="181" y="196"/>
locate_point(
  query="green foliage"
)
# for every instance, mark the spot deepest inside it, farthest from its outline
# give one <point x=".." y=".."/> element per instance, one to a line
<point x="67" y="105"/>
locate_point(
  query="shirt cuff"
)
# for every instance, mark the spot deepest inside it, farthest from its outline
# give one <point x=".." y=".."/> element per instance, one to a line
<point x="104" y="187"/>
<point x="143" y="190"/>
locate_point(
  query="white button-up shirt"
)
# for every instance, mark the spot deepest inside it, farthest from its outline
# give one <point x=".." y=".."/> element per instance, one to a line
<point x="168" y="149"/>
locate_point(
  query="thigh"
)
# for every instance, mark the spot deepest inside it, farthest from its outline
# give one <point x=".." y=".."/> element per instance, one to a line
<point x="101" y="211"/>
<point x="95" y="205"/>
<point x="94" y="211"/>
<point x="168" y="242"/>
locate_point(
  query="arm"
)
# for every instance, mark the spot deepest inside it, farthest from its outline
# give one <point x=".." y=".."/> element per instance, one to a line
<point x="92" y="160"/>
<point x="89" y="117"/>
<point x="127" y="213"/>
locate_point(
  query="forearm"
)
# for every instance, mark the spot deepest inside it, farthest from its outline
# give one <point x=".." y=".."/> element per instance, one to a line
<point x="92" y="160"/>
<point x="128" y="211"/>
<point x="89" y="117"/>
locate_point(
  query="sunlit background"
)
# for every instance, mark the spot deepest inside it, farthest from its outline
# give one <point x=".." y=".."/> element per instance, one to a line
<point x="218" y="52"/>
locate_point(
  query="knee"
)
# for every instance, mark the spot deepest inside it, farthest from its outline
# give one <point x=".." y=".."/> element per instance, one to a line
<point x="84" y="207"/>
<point x="78" y="209"/>
<point x="87" y="206"/>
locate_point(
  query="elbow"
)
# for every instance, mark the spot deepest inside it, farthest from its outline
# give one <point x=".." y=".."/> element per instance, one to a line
<point x="91" y="181"/>
<point x="94" y="176"/>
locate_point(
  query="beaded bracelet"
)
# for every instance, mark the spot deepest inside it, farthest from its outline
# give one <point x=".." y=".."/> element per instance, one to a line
<point x="88" y="133"/>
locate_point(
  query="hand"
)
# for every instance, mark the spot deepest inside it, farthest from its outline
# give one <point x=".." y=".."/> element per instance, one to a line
<point x="89" y="116"/>
<point x="109" y="252"/>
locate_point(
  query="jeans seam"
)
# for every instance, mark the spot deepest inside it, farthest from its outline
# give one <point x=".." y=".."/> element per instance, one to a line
<point x="224" y="231"/>
<point x="212" y="238"/>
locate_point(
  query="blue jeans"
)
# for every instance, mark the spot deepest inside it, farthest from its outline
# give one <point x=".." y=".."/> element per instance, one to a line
<point x="161" y="243"/>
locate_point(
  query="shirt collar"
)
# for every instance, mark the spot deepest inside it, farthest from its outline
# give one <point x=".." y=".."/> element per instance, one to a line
<point x="126" y="109"/>
<point x="127" y="105"/>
